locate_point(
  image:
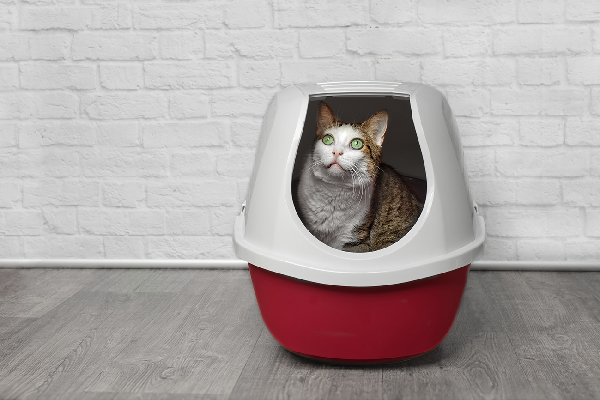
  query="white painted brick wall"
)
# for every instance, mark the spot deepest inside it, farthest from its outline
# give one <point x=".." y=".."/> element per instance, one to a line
<point x="127" y="129"/>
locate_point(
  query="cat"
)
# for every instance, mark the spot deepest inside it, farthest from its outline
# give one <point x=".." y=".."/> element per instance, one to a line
<point x="347" y="198"/>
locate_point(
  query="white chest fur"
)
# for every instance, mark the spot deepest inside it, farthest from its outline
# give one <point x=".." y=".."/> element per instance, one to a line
<point x="332" y="212"/>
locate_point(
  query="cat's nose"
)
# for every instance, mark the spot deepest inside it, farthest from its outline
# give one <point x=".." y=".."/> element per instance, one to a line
<point x="336" y="154"/>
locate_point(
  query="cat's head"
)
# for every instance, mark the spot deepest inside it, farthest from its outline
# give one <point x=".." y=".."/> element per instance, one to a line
<point x="343" y="150"/>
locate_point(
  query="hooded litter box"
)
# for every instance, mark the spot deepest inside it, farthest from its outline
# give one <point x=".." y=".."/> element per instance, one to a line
<point x="373" y="278"/>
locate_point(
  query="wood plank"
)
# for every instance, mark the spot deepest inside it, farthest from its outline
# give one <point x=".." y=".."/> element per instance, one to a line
<point x="35" y="350"/>
<point x="200" y="344"/>
<point x="274" y="373"/>
<point x="69" y="376"/>
<point x="147" y="396"/>
<point x="166" y="280"/>
<point x="32" y="293"/>
<point x="117" y="280"/>
<point x="555" y="335"/>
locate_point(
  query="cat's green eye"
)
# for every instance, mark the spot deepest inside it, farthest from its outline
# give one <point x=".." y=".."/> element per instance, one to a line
<point x="356" y="144"/>
<point x="328" y="139"/>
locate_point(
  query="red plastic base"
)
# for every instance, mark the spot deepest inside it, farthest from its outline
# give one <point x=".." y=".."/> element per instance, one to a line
<point x="359" y="325"/>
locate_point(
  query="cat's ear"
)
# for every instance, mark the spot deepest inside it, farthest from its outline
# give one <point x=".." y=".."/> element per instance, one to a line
<point x="376" y="126"/>
<point x="325" y="117"/>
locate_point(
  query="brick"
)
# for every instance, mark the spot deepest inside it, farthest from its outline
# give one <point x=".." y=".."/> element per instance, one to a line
<point x="595" y="105"/>
<point x="546" y="162"/>
<point x="240" y="103"/>
<point x="102" y="222"/>
<point x="592" y="222"/>
<point x="57" y="76"/>
<point x="48" y="2"/>
<point x="64" y="247"/>
<point x="21" y="223"/>
<point x="192" y="164"/>
<point x="505" y="192"/>
<point x="238" y="164"/>
<point x="581" y="192"/>
<point x="582" y="249"/>
<point x="36" y="163"/>
<point x="181" y="45"/>
<point x="246" y="14"/>
<point x="538" y="101"/>
<point x="480" y="161"/>
<point x="259" y="73"/>
<point x="8" y="134"/>
<point x="188" y="222"/>
<point x="293" y="72"/>
<point x="302" y="14"/>
<point x="68" y="133"/>
<point x="540" y="250"/>
<point x="469" y="102"/>
<point x="189" y="75"/>
<point x="60" y="220"/>
<point x="582" y="131"/>
<point x="188" y="104"/>
<point x="188" y="194"/>
<point x="222" y="220"/>
<point x="397" y="12"/>
<point x="322" y="43"/>
<point x="542" y="39"/>
<point x="488" y="132"/>
<point x="118" y="134"/>
<point x="542" y="132"/>
<point x="178" y="16"/>
<point x="9" y="77"/>
<point x="245" y="132"/>
<point x="242" y="187"/>
<point x="10" y="194"/>
<point x="14" y="47"/>
<point x="114" y="46"/>
<point x="121" y="76"/>
<point x="467" y="41"/>
<point x="50" y="46"/>
<point x="43" y="18"/>
<point x="596" y="35"/>
<point x="125" y="163"/>
<point x="123" y="194"/>
<point x="256" y="44"/>
<point x="112" y="16"/>
<point x="183" y="134"/>
<point x="468" y="72"/>
<point x="497" y="249"/>
<point x="146" y="222"/>
<point x="15" y="105"/>
<point x="124" y="247"/>
<point x="48" y="104"/>
<point x="11" y="247"/>
<point x="583" y="70"/>
<point x="398" y="70"/>
<point x="131" y="105"/>
<point x="56" y="163"/>
<point x="491" y="192"/>
<point x="8" y="18"/>
<point x="533" y="222"/>
<point x="539" y="71"/>
<point x="466" y="11"/>
<point x="387" y="42"/>
<point x="190" y="247"/>
<point x="547" y="11"/>
<point x="584" y="10"/>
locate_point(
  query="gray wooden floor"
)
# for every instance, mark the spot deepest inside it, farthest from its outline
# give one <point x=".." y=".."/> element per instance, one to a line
<point x="183" y="334"/>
